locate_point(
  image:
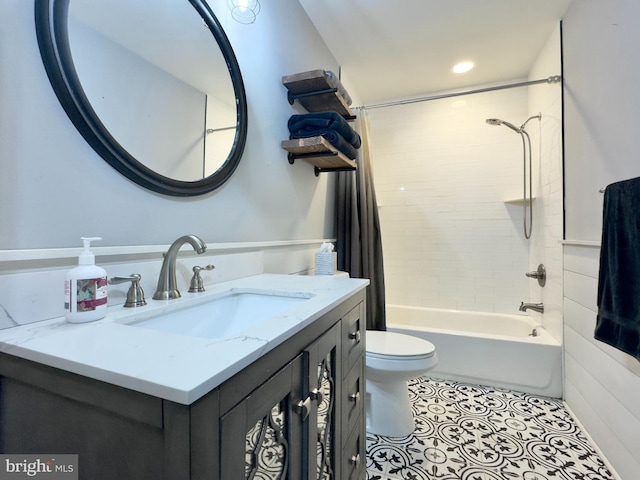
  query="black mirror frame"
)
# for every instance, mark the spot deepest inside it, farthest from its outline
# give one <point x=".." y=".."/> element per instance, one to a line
<point x="53" y="42"/>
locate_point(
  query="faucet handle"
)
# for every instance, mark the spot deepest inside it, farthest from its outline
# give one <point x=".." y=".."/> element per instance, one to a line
<point x="135" y="295"/>
<point x="197" y="285"/>
<point x="540" y="274"/>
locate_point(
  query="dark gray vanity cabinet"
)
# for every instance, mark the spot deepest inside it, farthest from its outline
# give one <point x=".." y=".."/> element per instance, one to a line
<point x="352" y="410"/>
<point x="313" y="429"/>
<point x="286" y="428"/>
<point x="263" y="434"/>
<point x="296" y="413"/>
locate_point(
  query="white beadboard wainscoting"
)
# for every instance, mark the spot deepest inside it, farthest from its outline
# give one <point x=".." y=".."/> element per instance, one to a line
<point x="602" y="384"/>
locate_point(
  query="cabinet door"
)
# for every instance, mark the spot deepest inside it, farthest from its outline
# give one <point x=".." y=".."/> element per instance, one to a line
<point x="324" y="388"/>
<point x="261" y="437"/>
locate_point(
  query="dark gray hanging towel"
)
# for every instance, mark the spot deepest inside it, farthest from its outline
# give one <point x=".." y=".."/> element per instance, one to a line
<point x="618" y="321"/>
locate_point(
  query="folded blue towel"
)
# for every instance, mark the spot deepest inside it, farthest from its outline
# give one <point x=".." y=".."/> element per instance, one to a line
<point x="312" y="124"/>
<point x="335" y="139"/>
<point x="618" y="320"/>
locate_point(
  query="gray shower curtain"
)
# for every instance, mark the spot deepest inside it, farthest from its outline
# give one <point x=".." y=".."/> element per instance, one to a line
<point x="359" y="242"/>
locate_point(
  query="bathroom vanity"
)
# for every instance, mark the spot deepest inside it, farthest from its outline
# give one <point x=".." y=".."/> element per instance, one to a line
<point x="283" y="399"/>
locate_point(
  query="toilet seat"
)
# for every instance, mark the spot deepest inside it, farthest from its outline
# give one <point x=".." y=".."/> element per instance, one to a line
<point x="397" y="346"/>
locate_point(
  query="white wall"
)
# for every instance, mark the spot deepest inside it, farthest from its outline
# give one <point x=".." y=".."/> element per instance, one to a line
<point x="442" y="177"/>
<point x="601" y="98"/>
<point x="602" y="384"/>
<point x="54" y="188"/>
<point x="127" y="91"/>
<point x="546" y="139"/>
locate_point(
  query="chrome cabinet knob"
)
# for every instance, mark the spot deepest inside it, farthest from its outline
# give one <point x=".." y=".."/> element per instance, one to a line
<point x="303" y="407"/>
<point x="316" y="395"/>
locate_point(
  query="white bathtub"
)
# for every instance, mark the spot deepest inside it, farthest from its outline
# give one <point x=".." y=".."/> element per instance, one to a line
<point x="485" y="348"/>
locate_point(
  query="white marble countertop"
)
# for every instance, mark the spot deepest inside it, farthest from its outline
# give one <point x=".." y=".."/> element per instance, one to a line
<point x="174" y="367"/>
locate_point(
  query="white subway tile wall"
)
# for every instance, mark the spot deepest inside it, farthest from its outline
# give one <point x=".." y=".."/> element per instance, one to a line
<point x="444" y="181"/>
<point x="546" y="246"/>
<point x="442" y="177"/>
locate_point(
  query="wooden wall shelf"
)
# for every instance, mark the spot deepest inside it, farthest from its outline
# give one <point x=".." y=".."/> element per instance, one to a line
<point x="315" y="93"/>
<point x="319" y="152"/>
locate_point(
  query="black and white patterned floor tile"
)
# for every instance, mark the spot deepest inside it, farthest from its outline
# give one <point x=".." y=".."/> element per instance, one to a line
<point x="470" y="432"/>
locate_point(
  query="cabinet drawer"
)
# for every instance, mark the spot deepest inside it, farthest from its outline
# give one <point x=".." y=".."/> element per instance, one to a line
<point x="354" y="454"/>
<point x="353" y="336"/>
<point x="353" y="392"/>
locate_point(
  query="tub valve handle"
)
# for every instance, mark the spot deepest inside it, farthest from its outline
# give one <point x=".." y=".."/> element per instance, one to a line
<point x="540" y="274"/>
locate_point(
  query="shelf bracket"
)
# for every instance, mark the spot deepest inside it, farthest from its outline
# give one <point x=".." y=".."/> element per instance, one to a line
<point x="291" y="157"/>
<point x="318" y="170"/>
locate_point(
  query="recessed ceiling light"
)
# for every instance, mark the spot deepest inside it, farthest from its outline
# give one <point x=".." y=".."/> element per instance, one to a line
<point x="462" y="67"/>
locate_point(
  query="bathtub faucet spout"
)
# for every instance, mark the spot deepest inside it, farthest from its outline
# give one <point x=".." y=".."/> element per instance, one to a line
<point x="536" y="307"/>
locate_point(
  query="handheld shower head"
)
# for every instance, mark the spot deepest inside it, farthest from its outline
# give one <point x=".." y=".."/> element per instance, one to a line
<point x="526" y="140"/>
<point x="497" y="121"/>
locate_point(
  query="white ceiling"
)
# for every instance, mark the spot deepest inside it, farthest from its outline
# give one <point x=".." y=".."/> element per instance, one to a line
<point x="398" y="49"/>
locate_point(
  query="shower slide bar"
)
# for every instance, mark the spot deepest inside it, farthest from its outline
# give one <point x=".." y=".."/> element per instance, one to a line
<point x="549" y="80"/>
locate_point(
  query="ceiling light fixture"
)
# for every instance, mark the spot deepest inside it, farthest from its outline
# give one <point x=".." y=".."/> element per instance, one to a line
<point x="462" y="67"/>
<point x="244" y="11"/>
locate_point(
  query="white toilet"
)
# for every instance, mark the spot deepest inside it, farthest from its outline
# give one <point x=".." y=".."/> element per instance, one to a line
<point x="391" y="360"/>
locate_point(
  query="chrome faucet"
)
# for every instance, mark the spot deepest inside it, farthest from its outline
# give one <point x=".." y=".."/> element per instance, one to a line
<point x="536" y="307"/>
<point x="167" y="286"/>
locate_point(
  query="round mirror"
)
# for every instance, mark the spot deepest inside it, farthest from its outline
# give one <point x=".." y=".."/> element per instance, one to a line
<point x="152" y="85"/>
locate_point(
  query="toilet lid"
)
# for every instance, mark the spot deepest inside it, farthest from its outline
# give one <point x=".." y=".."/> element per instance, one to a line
<point x="398" y="345"/>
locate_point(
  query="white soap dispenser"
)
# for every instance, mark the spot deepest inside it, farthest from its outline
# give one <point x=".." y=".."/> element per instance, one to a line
<point x="85" y="288"/>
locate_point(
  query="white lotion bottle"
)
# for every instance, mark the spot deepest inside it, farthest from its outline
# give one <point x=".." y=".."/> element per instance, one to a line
<point x="85" y="288"/>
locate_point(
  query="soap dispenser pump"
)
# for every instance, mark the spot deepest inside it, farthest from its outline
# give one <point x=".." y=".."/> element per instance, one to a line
<point x="85" y="288"/>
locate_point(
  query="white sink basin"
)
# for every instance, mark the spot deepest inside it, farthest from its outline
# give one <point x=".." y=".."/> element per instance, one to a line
<point x="226" y="315"/>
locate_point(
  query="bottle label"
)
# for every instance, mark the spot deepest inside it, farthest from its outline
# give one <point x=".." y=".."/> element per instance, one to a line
<point x="91" y="293"/>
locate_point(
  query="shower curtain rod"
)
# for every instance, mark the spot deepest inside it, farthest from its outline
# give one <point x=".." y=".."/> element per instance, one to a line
<point x="549" y="80"/>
